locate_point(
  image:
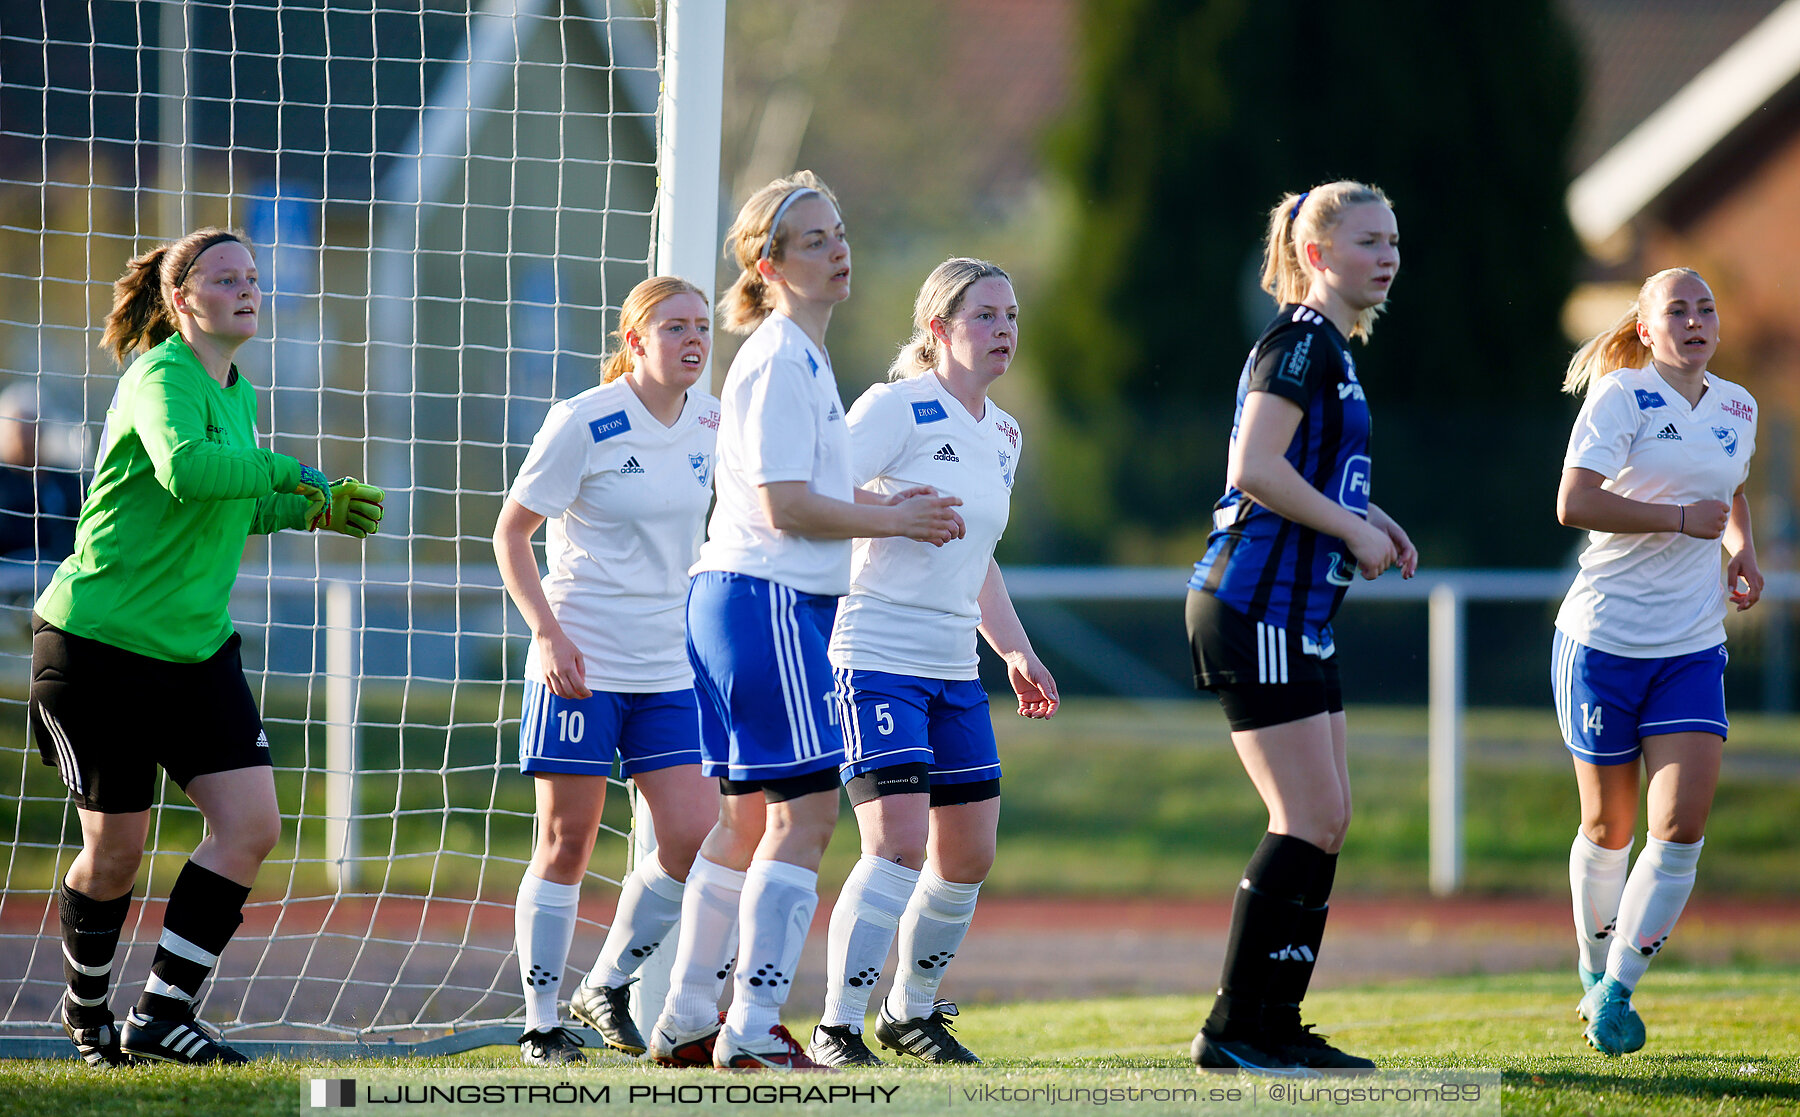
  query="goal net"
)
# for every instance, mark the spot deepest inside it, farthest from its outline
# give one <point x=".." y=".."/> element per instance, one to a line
<point x="448" y="201"/>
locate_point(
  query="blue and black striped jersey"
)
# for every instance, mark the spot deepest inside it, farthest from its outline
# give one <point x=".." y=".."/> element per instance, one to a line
<point x="1269" y="568"/>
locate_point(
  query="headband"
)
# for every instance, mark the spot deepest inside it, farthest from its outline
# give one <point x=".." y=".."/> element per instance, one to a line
<point x="1294" y="213"/>
<point x="215" y="239"/>
<point x="775" y="225"/>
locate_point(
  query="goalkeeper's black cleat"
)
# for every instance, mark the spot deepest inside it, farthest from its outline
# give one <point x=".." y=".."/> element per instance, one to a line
<point x="175" y="1039"/>
<point x="97" y="1040"/>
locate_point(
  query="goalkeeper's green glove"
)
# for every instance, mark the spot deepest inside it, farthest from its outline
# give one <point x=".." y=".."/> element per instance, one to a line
<point x="355" y="508"/>
<point x="317" y="491"/>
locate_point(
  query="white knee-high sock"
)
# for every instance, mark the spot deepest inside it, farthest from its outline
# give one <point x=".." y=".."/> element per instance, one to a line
<point x="1596" y="881"/>
<point x="709" y="931"/>
<point x="932" y="929"/>
<point x="1655" y="893"/>
<point x="776" y="912"/>
<point x="863" y="922"/>
<point x="649" y="904"/>
<point x="544" y="921"/>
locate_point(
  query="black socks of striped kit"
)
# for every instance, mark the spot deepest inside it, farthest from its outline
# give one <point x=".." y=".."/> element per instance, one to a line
<point x="1277" y="922"/>
<point x="204" y="912"/>
<point x="90" y="934"/>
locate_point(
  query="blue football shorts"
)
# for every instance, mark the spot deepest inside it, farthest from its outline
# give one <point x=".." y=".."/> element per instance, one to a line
<point x="1607" y="704"/>
<point x="891" y="719"/>
<point x="583" y="735"/>
<point x="766" y="706"/>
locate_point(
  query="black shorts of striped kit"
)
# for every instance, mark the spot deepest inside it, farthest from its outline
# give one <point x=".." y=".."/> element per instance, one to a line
<point x="1264" y="675"/>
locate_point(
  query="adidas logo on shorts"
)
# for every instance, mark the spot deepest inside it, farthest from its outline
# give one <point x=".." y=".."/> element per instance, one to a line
<point x="631" y="466"/>
<point x="1669" y="432"/>
<point x="946" y="454"/>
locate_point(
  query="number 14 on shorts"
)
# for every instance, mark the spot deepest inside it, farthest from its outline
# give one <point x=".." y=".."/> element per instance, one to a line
<point x="1590" y="718"/>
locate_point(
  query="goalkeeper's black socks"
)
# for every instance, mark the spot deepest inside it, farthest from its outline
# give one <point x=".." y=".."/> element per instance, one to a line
<point x="1277" y="920"/>
<point x="90" y="934"/>
<point x="204" y="912"/>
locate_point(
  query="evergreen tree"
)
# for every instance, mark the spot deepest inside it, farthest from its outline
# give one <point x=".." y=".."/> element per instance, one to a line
<point x="1191" y="119"/>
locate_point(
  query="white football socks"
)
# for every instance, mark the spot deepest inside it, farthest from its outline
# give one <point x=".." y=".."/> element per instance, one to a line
<point x="709" y="930"/>
<point x="932" y="928"/>
<point x="544" y="922"/>
<point x="649" y="904"/>
<point x="1654" y="895"/>
<point x="863" y="923"/>
<point x="1596" y="880"/>
<point x="776" y="912"/>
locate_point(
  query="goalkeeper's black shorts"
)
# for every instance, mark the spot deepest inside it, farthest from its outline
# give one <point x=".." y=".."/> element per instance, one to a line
<point x="107" y="718"/>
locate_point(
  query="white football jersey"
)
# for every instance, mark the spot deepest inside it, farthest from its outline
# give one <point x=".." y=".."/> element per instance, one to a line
<point x="1656" y="594"/>
<point x="783" y="421"/>
<point x="913" y="608"/>
<point x="624" y="498"/>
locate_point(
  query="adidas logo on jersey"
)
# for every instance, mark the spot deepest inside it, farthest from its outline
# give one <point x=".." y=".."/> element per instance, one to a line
<point x="1669" y="432"/>
<point x="631" y="466"/>
<point x="946" y="454"/>
<point x="1291" y="953"/>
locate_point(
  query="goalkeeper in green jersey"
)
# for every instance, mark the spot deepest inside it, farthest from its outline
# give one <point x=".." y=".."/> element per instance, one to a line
<point x="134" y="662"/>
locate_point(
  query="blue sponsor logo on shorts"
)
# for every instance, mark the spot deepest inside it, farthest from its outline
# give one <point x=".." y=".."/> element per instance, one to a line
<point x="1648" y="399"/>
<point x="606" y="426"/>
<point x="930" y="411"/>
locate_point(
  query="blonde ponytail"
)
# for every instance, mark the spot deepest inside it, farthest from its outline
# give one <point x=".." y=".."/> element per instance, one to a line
<point x="753" y="237"/>
<point x="1299" y="218"/>
<point x="940" y="296"/>
<point x="1619" y="345"/>
<point x="635" y="314"/>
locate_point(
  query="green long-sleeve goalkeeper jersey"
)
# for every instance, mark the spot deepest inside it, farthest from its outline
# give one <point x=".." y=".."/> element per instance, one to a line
<point x="179" y="487"/>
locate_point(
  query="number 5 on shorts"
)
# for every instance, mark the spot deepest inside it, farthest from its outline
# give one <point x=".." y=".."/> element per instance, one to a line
<point x="884" y="721"/>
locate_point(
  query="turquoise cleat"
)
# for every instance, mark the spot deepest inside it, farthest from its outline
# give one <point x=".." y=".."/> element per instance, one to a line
<point x="1613" y="1026"/>
<point x="1589" y="978"/>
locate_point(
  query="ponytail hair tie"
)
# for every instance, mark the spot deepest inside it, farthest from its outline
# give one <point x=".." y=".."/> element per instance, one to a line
<point x="1298" y="202"/>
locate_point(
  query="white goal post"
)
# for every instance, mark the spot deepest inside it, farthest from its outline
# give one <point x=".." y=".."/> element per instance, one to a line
<point x="449" y="205"/>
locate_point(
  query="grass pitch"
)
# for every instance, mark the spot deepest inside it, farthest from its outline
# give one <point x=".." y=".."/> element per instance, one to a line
<point x="1720" y="1042"/>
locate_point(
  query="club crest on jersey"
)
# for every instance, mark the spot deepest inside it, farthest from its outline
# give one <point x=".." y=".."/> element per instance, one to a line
<point x="607" y="426"/>
<point x="928" y="411"/>
<point x="1648" y="399"/>
<point x="1353" y="490"/>
<point x="702" y="468"/>
<point x="1006" y="474"/>
<point x="1728" y="438"/>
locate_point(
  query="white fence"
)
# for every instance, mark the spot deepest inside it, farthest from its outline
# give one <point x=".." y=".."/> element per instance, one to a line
<point x="475" y="613"/>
